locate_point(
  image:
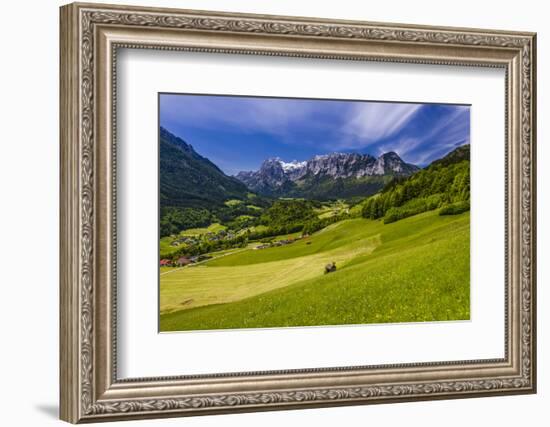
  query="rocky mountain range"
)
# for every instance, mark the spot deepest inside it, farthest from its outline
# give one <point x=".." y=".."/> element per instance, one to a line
<point x="188" y="179"/>
<point x="352" y="172"/>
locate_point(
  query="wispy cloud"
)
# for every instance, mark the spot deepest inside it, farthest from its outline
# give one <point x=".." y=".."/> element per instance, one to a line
<point x="445" y="133"/>
<point x="374" y="121"/>
<point x="238" y="133"/>
<point x="245" y="114"/>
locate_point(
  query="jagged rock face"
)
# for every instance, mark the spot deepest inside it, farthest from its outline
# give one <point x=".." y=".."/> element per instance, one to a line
<point x="340" y="165"/>
<point x="271" y="175"/>
<point x="391" y="163"/>
<point x="294" y="170"/>
<point x="275" y="174"/>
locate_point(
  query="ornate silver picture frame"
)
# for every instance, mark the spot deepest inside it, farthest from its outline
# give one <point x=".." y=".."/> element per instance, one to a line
<point x="91" y="35"/>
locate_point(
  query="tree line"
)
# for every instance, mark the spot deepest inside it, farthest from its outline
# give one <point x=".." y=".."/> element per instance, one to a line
<point x="441" y="185"/>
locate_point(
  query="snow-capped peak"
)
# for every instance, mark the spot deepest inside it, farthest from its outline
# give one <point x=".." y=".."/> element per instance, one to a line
<point x="293" y="165"/>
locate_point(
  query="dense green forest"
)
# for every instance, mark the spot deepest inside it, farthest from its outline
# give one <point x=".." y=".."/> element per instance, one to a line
<point x="174" y="219"/>
<point x="327" y="188"/>
<point x="444" y="184"/>
<point x="294" y="215"/>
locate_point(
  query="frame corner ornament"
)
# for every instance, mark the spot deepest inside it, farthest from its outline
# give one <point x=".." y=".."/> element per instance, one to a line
<point x="423" y="44"/>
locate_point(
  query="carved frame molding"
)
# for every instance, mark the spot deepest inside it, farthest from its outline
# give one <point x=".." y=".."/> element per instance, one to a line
<point x="90" y="37"/>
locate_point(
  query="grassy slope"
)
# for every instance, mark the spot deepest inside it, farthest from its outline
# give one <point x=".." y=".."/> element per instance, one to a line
<point x="167" y="250"/>
<point x="342" y="234"/>
<point x="419" y="271"/>
<point x="233" y="202"/>
<point x="332" y="209"/>
<point x="251" y="272"/>
<point x="212" y="228"/>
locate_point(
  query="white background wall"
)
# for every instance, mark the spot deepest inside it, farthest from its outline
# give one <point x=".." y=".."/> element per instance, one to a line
<point x="29" y="170"/>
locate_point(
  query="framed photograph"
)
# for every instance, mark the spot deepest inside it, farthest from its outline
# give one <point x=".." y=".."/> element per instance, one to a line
<point x="266" y="212"/>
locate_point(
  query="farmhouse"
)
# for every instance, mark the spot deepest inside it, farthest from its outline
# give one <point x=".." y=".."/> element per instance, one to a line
<point x="165" y="262"/>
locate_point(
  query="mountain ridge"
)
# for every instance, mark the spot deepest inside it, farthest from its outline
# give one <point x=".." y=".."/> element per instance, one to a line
<point x="277" y="177"/>
<point x="458" y="154"/>
<point x="188" y="179"/>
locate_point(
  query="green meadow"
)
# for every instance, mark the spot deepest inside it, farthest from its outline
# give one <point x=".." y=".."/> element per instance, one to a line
<point x="416" y="269"/>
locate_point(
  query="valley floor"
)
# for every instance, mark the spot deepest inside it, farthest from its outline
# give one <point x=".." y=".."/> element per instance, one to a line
<point x="416" y="269"/>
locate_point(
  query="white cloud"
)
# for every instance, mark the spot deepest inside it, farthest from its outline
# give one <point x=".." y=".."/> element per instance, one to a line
<point x="450" y="132"/>
<point x="371" y="122"/>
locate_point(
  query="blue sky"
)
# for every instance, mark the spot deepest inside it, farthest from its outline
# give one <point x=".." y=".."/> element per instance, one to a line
<point x="238" y="133"/>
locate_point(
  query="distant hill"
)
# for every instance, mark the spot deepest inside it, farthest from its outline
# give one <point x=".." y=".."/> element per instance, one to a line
<point x="189" y="180"/>
<point x="457" y="155"/>
<point x="335" y="175"/>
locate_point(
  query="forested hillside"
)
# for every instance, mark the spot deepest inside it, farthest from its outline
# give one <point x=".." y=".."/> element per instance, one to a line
<point x="193" y="190"/>
<point x="189" y="180"/>
<point x="444" y="184"/>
